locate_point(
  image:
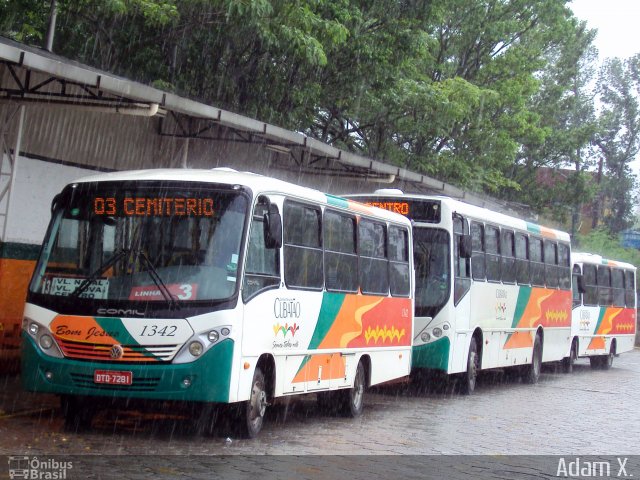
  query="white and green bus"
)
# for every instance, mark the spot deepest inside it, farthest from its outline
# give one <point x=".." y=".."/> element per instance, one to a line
<point x="218" y="287"/>
<point x="492" y="290"/>
<point x="604" y="309"/>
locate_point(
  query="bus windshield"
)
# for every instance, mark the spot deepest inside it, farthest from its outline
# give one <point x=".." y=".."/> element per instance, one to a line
<point x="138" y="242"/>
<point x="433" y="274"/>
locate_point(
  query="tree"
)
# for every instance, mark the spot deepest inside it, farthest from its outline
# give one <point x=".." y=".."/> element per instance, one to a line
<point x="618" y="142"/>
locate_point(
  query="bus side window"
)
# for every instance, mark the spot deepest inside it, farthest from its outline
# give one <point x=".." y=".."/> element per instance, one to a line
<point x="564" y="267"/>
<point x="340" y="259"/>
<point x="522" y="259"/>
<point x="477" y="246"/>
<point x="372" y="249"/>
<point x="462" y="266"/>
<point x="604" y="286"/>
<point x="508" y="270"/>
<point x="302" y="246"/>
<point x="492" y="249"/>
<point x="629" y="289"/>
<point x="617" y="287"/>
<point x="551" y="264"/>
<point x="575" y="288"/>
<point x="262" y="269"/>
<point x="591" y="285"/>
<point x="535" y="257"/>
<point x="400" y="283"/>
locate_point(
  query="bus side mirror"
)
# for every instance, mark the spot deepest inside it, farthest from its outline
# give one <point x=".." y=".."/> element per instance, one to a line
<point x="54" y="202"/>
<point x="272" y="227"/>
<point x="581" y="286"/>
<point x="465" y="246"/>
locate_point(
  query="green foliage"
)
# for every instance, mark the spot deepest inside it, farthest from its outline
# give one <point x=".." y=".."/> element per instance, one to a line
<point x="480" y="93"/>
<point x="602" y="242"/>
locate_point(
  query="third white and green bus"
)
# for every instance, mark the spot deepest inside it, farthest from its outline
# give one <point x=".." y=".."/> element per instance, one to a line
<point x="492" y="290"/>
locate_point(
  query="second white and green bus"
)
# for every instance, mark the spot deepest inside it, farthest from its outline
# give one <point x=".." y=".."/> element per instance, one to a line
<point x="604" y="309"/>
<point x="492" y="290"/>
<point x="216" y="287"/>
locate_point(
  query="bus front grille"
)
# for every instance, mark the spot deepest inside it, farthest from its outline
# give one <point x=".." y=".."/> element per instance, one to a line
<point x="130" y="353"/>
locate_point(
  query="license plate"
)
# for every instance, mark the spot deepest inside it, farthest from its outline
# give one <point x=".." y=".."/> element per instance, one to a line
<point x="112" y="377"/>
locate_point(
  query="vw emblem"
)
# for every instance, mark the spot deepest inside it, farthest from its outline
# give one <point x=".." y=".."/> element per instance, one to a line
<point x="116" y="352"/>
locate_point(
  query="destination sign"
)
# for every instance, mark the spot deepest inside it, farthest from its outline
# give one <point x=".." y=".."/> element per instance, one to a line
<point x="417" y="210"/>
<point x="149" y="206"/>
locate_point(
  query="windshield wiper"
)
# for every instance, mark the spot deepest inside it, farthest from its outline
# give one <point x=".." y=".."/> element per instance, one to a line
<point x="99" y="271"/>
<point x="172" y="300"/>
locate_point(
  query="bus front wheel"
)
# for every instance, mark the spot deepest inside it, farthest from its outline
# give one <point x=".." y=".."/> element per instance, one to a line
<point x="568" y="362"/>
<point x="470" y="377"/>
<point x="255" y="408"/>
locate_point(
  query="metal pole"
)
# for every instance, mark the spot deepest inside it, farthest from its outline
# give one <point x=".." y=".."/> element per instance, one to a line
<point x="14" y="170"/>
<point x="51" y="29"/>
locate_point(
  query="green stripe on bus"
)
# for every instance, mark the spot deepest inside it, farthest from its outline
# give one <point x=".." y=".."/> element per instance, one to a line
<point x="336" y="201"/>
<point x="532" y="227"/>
<point x="329" y="309"/>
<point x="603" y="310"/>
<point x="331" y="305"/>
<point x="19" y="251"/>
<point x="524" y="294"/>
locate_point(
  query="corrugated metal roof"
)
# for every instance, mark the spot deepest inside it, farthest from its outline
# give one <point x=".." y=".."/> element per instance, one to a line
<point x="105" y="88"/>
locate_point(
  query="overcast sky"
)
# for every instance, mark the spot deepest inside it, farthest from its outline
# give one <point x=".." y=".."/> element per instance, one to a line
<point x="618" y="24"/>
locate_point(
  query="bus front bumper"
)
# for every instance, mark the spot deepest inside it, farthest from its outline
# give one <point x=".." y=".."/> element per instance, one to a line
<point x="431" y="356"/>
<point x="204" y="380"/>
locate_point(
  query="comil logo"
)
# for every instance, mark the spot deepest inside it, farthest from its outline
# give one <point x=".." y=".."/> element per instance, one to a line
<point x="34" y="468"/>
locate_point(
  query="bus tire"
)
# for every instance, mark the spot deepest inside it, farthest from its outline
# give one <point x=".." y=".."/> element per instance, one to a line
<point x="77" y="414"/>
<point x="568" y="362"/>
<point x="353" y="398"/>
<point x="470" y="377"/>
<point x="254" y="409"/>
<point x="607" y="360"/>
<point x="532" y="371"/>
<point x="595" y="362"/>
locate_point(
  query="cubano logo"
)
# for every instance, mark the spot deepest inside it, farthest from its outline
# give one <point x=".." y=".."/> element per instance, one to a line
<point x="286" y="308"/>
<point x="285" y="329"/>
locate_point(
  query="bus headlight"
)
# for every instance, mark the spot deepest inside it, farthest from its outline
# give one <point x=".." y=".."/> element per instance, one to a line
<point x="46" y="342"/>
<point x="213" y="336"/>
<point x="33" y="328"/>
<point x="437" y="332"/>
<point x="425" y="337"/>
<point x="225" y="331"/>
<point x="196" y="348"/>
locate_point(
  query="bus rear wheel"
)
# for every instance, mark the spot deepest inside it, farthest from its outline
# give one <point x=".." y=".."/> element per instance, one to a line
<point x="353" y="398"/>
<point x="252" y="416"/>
<point x="470" y="377"/>
<point x="532" y="371"/>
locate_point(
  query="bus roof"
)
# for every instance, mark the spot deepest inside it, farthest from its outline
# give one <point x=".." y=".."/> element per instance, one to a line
<point x="473" y="211"/>
<point x="259" y="184"/>
<point x="593" y="258"/>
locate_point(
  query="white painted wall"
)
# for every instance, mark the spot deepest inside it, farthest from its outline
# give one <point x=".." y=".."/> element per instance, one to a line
<point x="37" y="182"/>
